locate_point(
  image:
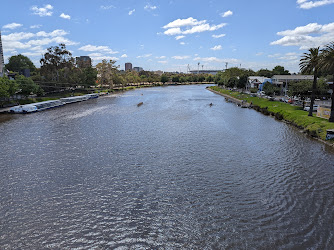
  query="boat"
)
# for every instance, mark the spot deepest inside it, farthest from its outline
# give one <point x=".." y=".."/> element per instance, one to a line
<point x="47" y="104"/>
<point x="73" y="99"/>
<point x="23" y="109"/>
<point x="37" y="106"/>
<point x="92" y="96"/>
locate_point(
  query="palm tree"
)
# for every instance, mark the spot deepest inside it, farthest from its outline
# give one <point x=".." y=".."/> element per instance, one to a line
<point x="327" y="64"/>
<point x="310" y="63"/>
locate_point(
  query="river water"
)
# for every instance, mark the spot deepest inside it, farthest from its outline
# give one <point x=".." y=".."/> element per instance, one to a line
<point x="173" y="173"/>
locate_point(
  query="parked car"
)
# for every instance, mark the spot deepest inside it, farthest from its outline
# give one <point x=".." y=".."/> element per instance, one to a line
<point x="315" y="108"/>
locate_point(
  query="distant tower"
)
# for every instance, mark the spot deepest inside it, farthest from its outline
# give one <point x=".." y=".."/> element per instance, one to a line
<point x="128" y="66"/>
<point x="2" y="61"/>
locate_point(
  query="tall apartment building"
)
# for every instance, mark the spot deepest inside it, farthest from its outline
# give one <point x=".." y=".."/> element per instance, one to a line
<point x="2" y="61"/>
<point x="128" y="66"/>
<point x="83" y="62"/>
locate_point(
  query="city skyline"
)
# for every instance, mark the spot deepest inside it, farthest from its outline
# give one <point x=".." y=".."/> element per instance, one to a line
<point x="170" y="35"/>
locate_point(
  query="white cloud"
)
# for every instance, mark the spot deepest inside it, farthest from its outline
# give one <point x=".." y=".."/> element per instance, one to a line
<point x="107" y="7"/>
<point x="145" y="56"/>
<point x="190" y="26"/>
<point x="180" y="57"/>
<point x="13" y="42"/>
<point x="217" y="47"/>
<point x="63" y="15"/>
<point x="37" y="26"/>
<point x="259" y="54"/>
<point x="12" y="26"/>
<point x="308" y="36"/>
<point x="203" y="27"/>
<point x="218" y="36"/>
<point x="179" y="37"/>
<point x="274" y="55"/>
<point x="124" y="56"/>
<point x="160" y="57"/>
<point x="183" y="22"/>
<point x="163" y="62"/>
<point x="182" y="43"/>
<point x="173" y="31"/>
<point x="150" y="7"/>
<point x="43" y="11"/>
<point x="96" y="57"/>
<point x="306" y="4"/>
<point x="227" y="13"/>
<point x="104" y="49"/>
<point x="131" y="12"/>
<point x="17" y="36"/>
<point x="52" y="34"/>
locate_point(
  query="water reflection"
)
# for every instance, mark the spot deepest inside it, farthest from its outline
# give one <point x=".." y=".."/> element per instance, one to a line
<point x="172" y="173"/>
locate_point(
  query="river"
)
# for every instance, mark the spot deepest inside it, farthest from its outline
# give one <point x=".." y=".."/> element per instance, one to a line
<point x="173" y="173"/>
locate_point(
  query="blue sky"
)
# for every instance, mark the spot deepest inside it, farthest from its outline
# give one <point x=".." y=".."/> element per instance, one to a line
<point x="170" y="34"/>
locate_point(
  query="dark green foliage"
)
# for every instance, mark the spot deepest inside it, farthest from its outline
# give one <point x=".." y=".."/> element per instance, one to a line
<point x="27" y="86"/>
<point x="279" y="70"/>
<point x="164" y="78"/>
<point x="175" y="78"/>
<point x="20" y="62"/>
<point x="270" y="89"/>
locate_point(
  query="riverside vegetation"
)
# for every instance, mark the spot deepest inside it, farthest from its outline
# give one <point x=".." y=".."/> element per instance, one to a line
<point x="314" y="126"/>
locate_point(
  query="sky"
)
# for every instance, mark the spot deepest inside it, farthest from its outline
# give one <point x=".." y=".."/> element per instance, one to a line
<point x="170" y="35"/>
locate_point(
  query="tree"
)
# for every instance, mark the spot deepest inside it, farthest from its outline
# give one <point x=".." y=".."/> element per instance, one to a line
<point x="265" y="72"/>
<point x="242" y="81"/>
<point x="209" y="78"/>
<point x="232" y="82"/>
<point x="89" y="76"/>
<point x="175" y="78"/>
<point x="55" y="59"/>
<point x="20" y="62"/>
<point x="164" y="78"/>
<point x="4" y="93"/>
<point x="309" y="63"/>
<point x="270" y="89"/>
<point x="279" y="70"/>
<point x="328" y="64"/>
<point x="106" y="71"/>
<point x="27" y="86"/>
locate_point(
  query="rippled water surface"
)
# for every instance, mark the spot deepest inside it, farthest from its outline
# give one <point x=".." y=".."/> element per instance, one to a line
<point x="173" y="173"/>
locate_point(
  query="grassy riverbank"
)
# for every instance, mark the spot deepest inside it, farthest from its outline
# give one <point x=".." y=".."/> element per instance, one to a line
<point x="295" y="115"/>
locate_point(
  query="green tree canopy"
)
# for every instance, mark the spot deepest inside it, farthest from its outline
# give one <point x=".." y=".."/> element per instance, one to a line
<point x="164" y="78"/>
<point x="279" y="70"/>
<point x="20" y="62"/>
<point x="265" y="72"/>
<point x="27" y="86"/>
<point x="57" y="58"/>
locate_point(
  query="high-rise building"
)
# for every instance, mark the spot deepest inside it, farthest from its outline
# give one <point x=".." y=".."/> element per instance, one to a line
<point x="128" y="66"/>
<point x="138" y="69"/>
<point x="2" y="61"/>
<point x="83" y="62"/>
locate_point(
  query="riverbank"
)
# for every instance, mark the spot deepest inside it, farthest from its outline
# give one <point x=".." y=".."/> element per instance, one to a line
<point x="312" y="125"/>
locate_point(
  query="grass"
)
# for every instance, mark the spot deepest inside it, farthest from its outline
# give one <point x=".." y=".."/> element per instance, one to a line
<point x="314" y="126"/>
